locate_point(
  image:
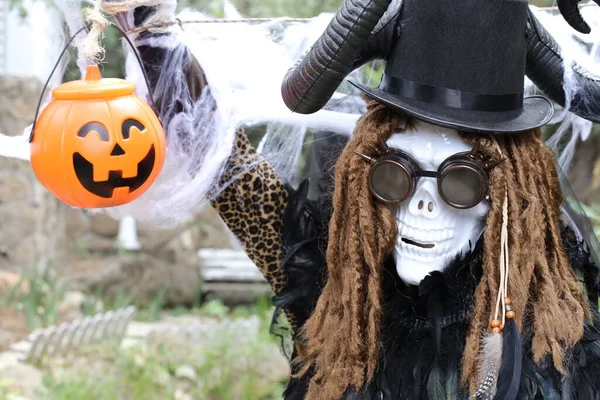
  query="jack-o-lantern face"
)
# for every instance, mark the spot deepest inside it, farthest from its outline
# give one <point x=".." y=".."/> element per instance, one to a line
<point x="84" y="168"/>
<point x="101" y="149"/>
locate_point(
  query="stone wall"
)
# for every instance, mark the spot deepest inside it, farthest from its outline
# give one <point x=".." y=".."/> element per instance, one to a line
<point x="167" y="260"/>
<point x="32" y="223"/>
<point x="18" y="100"/>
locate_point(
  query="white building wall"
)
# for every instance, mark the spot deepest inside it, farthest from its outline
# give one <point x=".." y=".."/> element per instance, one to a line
<point x="31" y="44"/>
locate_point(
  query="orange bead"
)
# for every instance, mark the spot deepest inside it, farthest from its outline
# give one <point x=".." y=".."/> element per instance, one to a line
<point x="496" y="330"/>
<point x="507" y="300"/>
<point x="495" y="323"/>
<point x="510" y="314"/>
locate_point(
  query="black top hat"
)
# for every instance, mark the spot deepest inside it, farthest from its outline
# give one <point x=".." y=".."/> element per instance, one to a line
<point x="461" y="64"/>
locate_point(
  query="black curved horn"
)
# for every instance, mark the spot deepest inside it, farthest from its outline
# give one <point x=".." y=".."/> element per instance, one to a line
<point x="545" y="67"/>
<point x="308" y="86"/>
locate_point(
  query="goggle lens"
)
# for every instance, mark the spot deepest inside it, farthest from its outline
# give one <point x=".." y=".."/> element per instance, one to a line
<point x="462" y="186"/>
<point x="390" y="182"/>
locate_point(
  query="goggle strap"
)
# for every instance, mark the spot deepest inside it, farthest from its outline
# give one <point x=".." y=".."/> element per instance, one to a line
<point x="429" y="174"/>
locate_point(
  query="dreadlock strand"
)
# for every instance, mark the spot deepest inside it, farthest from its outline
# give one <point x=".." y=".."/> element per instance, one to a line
<point x="354" y="297"/>
<point x="352" y="294"/>
<point x="541" y="280"/>
<point x="522" y="213"/>
<point x="488" y="286"/>
<point x="567" y="273"/>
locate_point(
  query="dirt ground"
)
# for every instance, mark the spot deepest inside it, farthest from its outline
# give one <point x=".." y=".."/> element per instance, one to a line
<point x="13" y="324"/>
<point x="13" y="328"/>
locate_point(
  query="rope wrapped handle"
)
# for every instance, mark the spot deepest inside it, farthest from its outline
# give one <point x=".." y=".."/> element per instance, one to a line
<point x="91" y="47"/>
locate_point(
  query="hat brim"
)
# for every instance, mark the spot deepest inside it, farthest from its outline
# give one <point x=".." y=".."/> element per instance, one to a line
<point x="537" y="111"/>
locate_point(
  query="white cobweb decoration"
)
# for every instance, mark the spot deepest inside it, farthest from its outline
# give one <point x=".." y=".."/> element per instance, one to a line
<point x="585" y="51"/>
<point x="244" y="64"/>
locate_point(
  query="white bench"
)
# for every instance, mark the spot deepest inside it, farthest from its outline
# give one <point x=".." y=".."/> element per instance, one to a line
<point x="231" y="275"/>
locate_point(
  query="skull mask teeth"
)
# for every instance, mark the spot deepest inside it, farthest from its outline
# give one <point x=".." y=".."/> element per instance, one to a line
<point x="431" y="232"/>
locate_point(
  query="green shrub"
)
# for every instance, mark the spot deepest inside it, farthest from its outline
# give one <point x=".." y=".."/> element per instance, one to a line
<point x="38" y="295"/>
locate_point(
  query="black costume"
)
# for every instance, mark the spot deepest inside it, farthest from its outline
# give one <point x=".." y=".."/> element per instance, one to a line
<point x="424" y="327"/>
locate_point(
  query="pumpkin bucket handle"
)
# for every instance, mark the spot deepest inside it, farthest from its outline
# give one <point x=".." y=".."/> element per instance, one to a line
<point x="62" y="53"/>
<point x="139" y="60"/>
<point x="64" y="50"/>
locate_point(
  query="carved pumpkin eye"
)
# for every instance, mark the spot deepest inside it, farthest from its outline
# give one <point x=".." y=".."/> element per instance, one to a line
<point x="101" y="152"/>
<point x="94" y="127"/>
<point x="128" y="124"/>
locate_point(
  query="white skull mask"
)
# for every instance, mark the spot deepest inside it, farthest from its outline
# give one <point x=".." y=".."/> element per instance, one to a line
<point x="431" y="232"/>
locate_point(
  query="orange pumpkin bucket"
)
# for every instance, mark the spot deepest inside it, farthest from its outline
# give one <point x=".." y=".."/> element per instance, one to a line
<point x="96" y="143"/>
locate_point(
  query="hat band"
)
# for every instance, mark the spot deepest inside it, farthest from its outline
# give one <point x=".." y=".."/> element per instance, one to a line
<point x="451" y="97"/>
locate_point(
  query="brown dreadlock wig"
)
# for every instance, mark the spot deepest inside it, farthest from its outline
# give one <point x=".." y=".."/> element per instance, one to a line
<point x="343" y="333"/>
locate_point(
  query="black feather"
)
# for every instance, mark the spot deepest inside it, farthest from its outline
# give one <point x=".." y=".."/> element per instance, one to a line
<point x="580" y="259"/>
<point x="509" y="377"/>
<point x="304" y="260"/>
<point x="548" y="380"/>
<point x="529" y="383"/>
<point x="436" y="383"/>
<point x="584" y="371"/>
<point x="433" y="290"/>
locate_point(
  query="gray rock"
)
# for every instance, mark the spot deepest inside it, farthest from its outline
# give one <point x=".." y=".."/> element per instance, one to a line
<point x="13" y="327"/>
<point x="104" y="225"/>
<point x="23" y="377"/>
<point x="15" y="186"/>
<point x="182" y="395"/>
<point x="138" y="276"/>
<point x="186" y="372"/>
<point x="72" y="306"/>
<point x="18" y="102"/>
<point x="78" y="222"/>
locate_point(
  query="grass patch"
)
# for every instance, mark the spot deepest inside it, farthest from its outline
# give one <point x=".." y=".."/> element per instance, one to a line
<point x="38" y="295"/>
<point x="226" y="366"/>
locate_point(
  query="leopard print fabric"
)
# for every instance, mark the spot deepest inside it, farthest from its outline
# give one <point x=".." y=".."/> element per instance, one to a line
<point x="252" y="206"/>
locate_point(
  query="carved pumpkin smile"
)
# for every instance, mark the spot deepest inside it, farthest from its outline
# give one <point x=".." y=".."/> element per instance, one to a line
<point x="84" y="170"/>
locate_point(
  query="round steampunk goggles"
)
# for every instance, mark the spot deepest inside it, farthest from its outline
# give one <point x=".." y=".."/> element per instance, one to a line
<point x="462" y="179"/>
